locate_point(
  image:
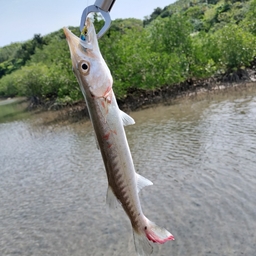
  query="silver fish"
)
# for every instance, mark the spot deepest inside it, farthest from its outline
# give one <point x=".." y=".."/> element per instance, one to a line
<point x="108" y="121"/>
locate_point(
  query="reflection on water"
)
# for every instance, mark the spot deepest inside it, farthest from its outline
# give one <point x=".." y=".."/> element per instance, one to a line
<point x="199" y="153"/>
<point x="12" y="109"/>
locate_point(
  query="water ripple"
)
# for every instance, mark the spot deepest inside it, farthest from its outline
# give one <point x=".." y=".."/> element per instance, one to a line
<point x="200" y="155"/>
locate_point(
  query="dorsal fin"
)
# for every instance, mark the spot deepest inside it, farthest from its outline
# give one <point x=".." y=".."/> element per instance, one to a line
<point x="127" y="120"/>
<point x="142" y="182"/>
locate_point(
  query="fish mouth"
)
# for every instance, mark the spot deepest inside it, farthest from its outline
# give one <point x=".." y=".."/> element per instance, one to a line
<point x="72" y="39"/>
<point x="89" y="41"/>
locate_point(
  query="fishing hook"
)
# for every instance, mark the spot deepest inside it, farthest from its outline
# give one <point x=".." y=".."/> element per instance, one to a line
<point x="100" y="6"/>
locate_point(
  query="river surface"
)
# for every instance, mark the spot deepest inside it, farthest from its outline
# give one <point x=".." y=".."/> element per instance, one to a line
<point x="200" y="154"/>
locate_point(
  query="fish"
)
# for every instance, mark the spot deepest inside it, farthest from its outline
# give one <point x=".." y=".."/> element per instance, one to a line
<point x="108" y="121"/>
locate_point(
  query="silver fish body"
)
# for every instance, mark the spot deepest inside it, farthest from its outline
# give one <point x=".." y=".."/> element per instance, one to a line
<point x="108" y="121"/>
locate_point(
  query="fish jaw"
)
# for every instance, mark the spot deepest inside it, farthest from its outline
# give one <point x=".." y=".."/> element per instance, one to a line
<point x="90" y="68"/>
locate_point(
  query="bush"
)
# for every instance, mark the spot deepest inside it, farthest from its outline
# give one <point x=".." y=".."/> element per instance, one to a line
<point x="202" y="64"/>
<point x="235" y="48"/>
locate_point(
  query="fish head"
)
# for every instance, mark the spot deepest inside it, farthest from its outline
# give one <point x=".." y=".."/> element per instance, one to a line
<point x="88" y="65"/>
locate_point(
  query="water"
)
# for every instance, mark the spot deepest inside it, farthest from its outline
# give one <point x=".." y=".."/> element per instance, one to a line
<point x="199" y="153"/>
<point x="12" y="109"/>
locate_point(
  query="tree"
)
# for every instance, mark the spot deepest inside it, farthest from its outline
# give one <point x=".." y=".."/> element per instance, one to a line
<point x="157" y="11"/>
<point x="235" y="48"/>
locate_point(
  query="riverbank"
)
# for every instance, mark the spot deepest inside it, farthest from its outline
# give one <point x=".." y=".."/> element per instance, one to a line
<point x="137" y="99"/>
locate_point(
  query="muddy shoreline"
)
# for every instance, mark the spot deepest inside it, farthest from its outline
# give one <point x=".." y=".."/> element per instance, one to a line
<point x="141" y="99"/>
<point x="137" y="99"/>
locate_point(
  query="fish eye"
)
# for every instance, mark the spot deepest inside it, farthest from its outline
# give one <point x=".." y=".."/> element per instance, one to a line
<point x="84" y="67"/>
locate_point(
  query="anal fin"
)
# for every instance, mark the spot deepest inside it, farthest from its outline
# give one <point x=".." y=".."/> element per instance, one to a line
<point x="111" y="199"/>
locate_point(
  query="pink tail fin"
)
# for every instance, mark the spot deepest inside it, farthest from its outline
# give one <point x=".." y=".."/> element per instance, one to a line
<point x="156" y="234"/>
<point x="152" y="233"/>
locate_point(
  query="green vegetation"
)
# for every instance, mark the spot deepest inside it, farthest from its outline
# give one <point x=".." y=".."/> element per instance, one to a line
<point x="185" y="40"/>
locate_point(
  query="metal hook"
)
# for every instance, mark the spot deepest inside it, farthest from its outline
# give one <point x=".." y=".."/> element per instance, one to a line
<point x="103" y="7"/>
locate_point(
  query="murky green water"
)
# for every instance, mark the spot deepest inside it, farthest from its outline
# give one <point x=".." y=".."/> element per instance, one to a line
<point x="12" y="109"/>
<point x="200" y="155"/>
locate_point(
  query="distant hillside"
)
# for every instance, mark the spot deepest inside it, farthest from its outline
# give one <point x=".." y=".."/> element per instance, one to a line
<point x="208" y="15"/>
<point x="185" y="41"/>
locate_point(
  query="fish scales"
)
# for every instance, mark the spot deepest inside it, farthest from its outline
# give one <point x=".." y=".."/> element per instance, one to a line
<point x="117" y="165"/>
<point x="95" y="82"/>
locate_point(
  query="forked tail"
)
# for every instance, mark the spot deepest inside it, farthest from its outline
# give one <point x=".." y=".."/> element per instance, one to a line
<point x="152" y="233"/>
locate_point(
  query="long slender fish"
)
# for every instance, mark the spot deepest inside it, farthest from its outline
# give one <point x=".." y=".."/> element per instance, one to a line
<point x="124" y="183"/>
